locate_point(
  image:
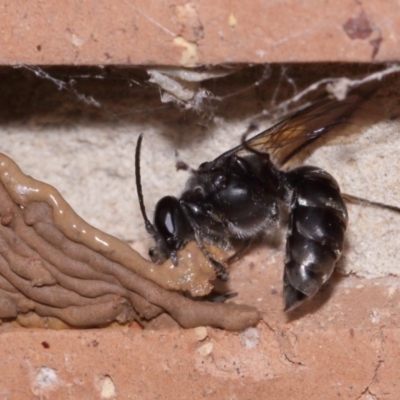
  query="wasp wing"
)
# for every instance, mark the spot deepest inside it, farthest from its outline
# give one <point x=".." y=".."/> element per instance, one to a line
<point x="285" y="139"/>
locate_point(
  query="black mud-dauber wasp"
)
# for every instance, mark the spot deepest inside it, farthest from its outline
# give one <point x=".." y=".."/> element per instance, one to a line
<point x="247" y="190"/>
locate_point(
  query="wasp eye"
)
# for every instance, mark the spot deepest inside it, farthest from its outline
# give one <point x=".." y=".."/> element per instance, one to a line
<point x="167" y="216"/>
<point x="171" y="224"/>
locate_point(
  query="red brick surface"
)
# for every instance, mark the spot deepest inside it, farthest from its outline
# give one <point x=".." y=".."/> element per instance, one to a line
<point x="343" y="345"/>
<point x="134" y="32"/>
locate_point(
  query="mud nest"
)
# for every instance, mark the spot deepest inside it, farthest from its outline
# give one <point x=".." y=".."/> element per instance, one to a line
<point x="55" y="265"/>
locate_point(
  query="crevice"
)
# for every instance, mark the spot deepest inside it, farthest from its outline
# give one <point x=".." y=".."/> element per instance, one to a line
<point x="380" y="361"/>
<point x="299" y="363"/>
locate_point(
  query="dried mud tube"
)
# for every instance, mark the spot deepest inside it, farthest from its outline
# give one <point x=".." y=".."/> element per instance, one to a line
<point x="55" y="265"/>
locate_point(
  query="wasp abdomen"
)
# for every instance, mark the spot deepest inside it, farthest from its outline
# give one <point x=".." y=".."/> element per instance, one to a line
<point x="318" y="220"/>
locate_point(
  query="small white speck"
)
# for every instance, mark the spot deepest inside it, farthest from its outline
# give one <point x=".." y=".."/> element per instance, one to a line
<point x="76" y="40"/>
<point x="201" y="333"/>
<point x="250" y="337"/>
<point x="260" y="53"/>
<point x="391" y="292"/>
<point x="205" y="350"/>
<point x="46" y="377"/>
<point x="107" y="388"/>
<point x="375" y="318"/>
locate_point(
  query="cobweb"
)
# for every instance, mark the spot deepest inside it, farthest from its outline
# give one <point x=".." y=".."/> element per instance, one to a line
<point x="76" y="128"/>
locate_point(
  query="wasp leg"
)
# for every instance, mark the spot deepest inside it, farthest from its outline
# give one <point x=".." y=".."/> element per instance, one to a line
<point x="239" y="253"/>
<point x="216" y="297"/>
<point x="222" y="273"/>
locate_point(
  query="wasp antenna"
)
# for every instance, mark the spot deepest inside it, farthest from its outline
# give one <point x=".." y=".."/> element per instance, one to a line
<point x="364" y="202"/>
<point x="149" y="226"/>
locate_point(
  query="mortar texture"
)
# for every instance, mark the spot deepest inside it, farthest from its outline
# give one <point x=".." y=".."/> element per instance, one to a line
<point x="88" y="153"/>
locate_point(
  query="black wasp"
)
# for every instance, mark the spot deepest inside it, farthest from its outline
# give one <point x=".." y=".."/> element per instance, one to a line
<point x="246" y="191"/>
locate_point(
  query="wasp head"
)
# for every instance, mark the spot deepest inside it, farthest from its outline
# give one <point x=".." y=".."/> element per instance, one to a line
<point x="172" y="229"/>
